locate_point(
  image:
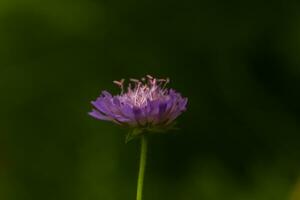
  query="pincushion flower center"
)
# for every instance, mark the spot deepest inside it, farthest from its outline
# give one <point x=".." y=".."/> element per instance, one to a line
<point x="143" y="91"/>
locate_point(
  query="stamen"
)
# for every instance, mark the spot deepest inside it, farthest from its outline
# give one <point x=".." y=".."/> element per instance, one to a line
<point x="120" y="81"/>
<point x="134" y="80"/>
<point x="149" y="77"/>
<point x="120" y="84"/>
<point x="154" y="81"/>
<point x="167" y="81"/>
<point x="129" y="87"/>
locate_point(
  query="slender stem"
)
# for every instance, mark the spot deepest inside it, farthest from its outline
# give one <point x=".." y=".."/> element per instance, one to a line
<point x="143" y="159"/>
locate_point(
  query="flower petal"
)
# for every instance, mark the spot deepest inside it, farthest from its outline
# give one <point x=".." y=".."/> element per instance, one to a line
<point x="96" y="114"/>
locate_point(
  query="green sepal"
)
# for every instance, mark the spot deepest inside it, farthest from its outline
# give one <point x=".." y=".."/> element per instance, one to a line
<point x="162" y="129"/>
<point x="133" y="134"/>
<point x="137" y="132"/>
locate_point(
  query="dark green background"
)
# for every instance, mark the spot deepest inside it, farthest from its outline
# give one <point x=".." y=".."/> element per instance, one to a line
<point x="236" y="61"/>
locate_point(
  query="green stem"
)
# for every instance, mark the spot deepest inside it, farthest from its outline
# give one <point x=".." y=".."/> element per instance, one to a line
<point x="142" y="168"/>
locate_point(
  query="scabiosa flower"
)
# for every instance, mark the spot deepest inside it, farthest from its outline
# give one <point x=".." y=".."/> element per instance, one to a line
<point x="147" y="105"/>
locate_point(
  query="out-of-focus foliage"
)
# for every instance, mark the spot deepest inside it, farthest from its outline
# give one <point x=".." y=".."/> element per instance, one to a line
<point x="237" y="61"/>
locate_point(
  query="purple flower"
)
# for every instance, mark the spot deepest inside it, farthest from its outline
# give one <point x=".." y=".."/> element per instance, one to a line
<point x="147" y="105"/>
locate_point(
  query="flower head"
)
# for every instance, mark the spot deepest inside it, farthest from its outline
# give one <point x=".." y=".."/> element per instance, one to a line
<point x="146" y="105"/>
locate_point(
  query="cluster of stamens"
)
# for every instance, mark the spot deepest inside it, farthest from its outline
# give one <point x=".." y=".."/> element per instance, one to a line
<point x="143" y="90"/>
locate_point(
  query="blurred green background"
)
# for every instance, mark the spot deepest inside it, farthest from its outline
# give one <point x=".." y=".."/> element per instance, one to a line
<point x="237" y="61"/>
